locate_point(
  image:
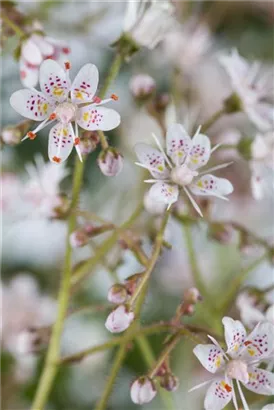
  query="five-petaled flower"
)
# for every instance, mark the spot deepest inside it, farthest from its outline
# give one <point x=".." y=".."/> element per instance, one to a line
<point x="178" y="167"/>
<point x="239" y="363"/>
<point x="254" y="89"/>
<point x="61" y="101"/>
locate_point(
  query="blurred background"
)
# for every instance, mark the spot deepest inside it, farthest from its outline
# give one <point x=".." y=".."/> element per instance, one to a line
<point x="186" y="71"/>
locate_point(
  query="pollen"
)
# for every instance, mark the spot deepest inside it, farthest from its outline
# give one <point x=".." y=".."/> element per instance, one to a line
<point x="31" y="135"/>
<point x="56" y="159"/>
<point x="77" y="141"/>
<point x="114" y="97"/>
<point x="53" y="116"/>
<point x="228" y="388"/>
<point x="67" y="65"/>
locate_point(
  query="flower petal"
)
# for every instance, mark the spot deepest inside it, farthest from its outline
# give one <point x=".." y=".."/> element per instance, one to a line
<point x="235" y="335"/>
<point x="211" y="185"/>
<point x="259" y="344"/>
<point x="200" y="152"/>
<point x="210" y="356"/>
<point x="153" y="159"/>
<point x="60" y="143"/>
<point x="31" y="52"/>
<point x="163" y="192"/>
<point x="260" y="381"/>
<point x="178" y="143"/>
<point x="98" y="118"/>
<point x="44" y="46"/>
<point x="53" y="80"/>
<point x="28" y="74"/>
<point x="31" y="104"/>
<point x="218" y="395"/>
<point x="85" y="84"/>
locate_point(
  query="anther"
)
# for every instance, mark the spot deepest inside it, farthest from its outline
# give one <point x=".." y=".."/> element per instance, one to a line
<point x="77" y="141"/>
<point x="66" y="50"/>
<point x="228" y="388"/>
<point x="114" y="97"/>
<point x="96" y="99"/>
<point x="31" y="135"/>
<point x="56" y="159"/>
<point x="53" y="116"/>
<point x="67" y="65"/>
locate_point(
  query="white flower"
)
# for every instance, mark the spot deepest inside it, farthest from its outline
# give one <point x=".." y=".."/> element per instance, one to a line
<point x="34" y="50"/>
<point x="254" y="89"/>
<point x="142" y="390"/>
<point x="148" y="22"/>
<point x="238" y="364"/>
<point x="268" y="407"/>
<point x="251" y="314"/>
<point x="61" y="101"/>
<point x="119" y="319"/>
<point x="142" y="85"/>
<point x="179" y="167"/>
<point x="262" y="165"/>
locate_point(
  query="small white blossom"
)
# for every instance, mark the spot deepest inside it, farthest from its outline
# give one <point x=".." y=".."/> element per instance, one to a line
<point x="61" y="101"/>
<point x="142" y="85"/>
<point x="11" y="135"/>
<point x="250" y="313"/>
<point x="142" y="390"/>
<point x="239" y="364"/>
<point x="148" y="22"/>
<point x="254" y="89"/>
<point x="178" y="168"/>
<point x="119" y="319"/>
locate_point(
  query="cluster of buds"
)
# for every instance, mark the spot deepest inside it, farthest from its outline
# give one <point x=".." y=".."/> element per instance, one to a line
<point x="119" y="294"/>
<point x="142" y="87"/>
<point x="88" y="142"/>
<point x="81" y="236"/>
<point x="191" y="297"/>
<point x="110" y="162"/>
<point x="13" y="134"/>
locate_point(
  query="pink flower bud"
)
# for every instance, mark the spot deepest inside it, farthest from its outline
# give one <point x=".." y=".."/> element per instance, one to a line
<point x="192" y="296"/>
<point x="117" y="294"/>
<point x="11" y="135"/>
<point x="142" y="390"/>
<point x="88" y="142"/>
<point x="169" y="382"/>
<point x="119" y="319"/>
<point x="78" y="238"/>
<point x="110" y="162"/>
<point x="142" y="86"/>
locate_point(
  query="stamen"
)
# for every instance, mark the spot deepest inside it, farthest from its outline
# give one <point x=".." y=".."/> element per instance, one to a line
<point x="56" y="159"/>
<point x="66" y="50"/>
<point x="96" y="99"/>
<point x="77" y="141"/>
<point x="228" y="388"/>
<point x="53" y="116"/>
<point x="67" y="65"/>
<point x="114" y="97"/>
<point x="31" y="135"/>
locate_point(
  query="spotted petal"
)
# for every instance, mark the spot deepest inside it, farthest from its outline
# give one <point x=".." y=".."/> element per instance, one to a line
<point x="178" y="143"/>
<point x="164" y="193"/>
<point x="200" y="152"/>
<point x="28" y="74"/>
<point x="60" y="143"/>
<point x="152" y="159"/>
<point x="218" y="395"/>
<point x="210" y="356"/>
<point x="93" y="118"/>
<point x="259" y="344"/>
<point x="31" y="104"/>
<point x="211" y="185"/>
<point x="260" y="381"/>
<point x="54" y="81"/>
<point x="235" y="335"/>
<point x="85" y="84"/>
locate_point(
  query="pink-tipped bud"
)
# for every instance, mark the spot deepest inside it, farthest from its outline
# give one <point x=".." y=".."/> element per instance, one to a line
<point x="132" y="282"/>
<point x="11" y="135"/>
<point x="117" y="294"/>
<point x="88" y="142"/>
<point x="169" y="382"/>
<point x="110" y="162"/>
<point x="192" y="296"/>
<point x="78" y="238"/>
<point x="142" y="86"/>
<point x="142" y="390"/>
<point x="119" y="319"/>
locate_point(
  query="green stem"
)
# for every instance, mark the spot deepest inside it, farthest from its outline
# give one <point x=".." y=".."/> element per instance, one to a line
<point x="103" y="140"/>
<point x="165" y="353"/>
<point x="17" y="30"/>
<point x="112" y="74"/>
<point x="51" y="366"/>
<point x="213" y="119"/>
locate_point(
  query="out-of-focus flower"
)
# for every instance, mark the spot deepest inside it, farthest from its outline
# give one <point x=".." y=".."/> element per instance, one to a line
<point x="61" y="101"/>
<point x="186" y="47"/>
<point x="10" y="192"/>
<point x="117" y="294"/>
<point x="148" y="22"/>
<point x="142" y="390"/>
<point x="268" y="407"/>
<point x="154" y="208"/>
<point x="240" y="363"/>
<point x="11" y="135"/>
<point x="262" y="165"/>
<point x="34" y="50"/>
<point x="187" y="157"/>
<point x="142" y="86"/>
<point x="78" y="238"/>
<point x="119" y="319"/>
<point x="254" y="89"/>
<point x="169" y="382"/>
<point x="110" y="162"/>
<point x="251" y="314"/>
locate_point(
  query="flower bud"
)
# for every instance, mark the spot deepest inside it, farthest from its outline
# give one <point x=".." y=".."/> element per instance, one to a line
<point x="110" y="162"/>
<point x="132" y="282"/>
<point x="119" y="319"/>
<point x="142" y="86"/>
<point x="117" y="294"/>
<point x="169" y="382"/>
<point x="192" y="296"/>
<point x="78" y="238"/>
<point x="88" y="142"/>
<point x="233" y="104"/>
<point x="245" y="147"/>
<point x="11" y="135"/>
<point x="142" y="390"/>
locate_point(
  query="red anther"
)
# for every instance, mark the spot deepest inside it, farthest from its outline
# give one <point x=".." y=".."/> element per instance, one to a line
<point x="248" y="342"/>
<point x="228" y="388"/>
<point x="31" y="135"/>
<point x="114" y="97"/>
<point x="67" y="65"/>
<point x="77" y="141"/>
<point x="66" y="50"/>
<point x="52" y="116"/>
<point x="56" y="159"/>
<point x="96" y="99"/>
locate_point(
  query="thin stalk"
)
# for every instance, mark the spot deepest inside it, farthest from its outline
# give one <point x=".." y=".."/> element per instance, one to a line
<point x="17" y="30"/>
<point x="213" y="119"/>
<point x="165" y="353"/>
